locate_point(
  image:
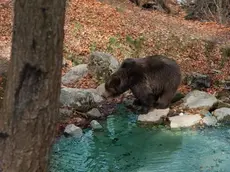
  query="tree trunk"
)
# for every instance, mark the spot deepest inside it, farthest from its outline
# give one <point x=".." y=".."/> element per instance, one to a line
<point x="31" y="102"/>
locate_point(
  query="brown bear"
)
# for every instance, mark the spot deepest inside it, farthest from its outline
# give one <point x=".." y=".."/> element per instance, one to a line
<point x="153" y="80"/>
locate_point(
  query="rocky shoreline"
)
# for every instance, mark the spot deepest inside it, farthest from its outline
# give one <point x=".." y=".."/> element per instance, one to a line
<point x="83" y="108"/>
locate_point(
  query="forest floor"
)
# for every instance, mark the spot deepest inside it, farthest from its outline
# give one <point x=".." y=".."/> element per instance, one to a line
<point x="124" y="30"/>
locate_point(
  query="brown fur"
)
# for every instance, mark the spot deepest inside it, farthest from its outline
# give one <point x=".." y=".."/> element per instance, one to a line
<point x="153" y="80"/>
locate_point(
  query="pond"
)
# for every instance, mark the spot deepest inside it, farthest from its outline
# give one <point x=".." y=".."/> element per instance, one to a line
<point x="126" y="146"/>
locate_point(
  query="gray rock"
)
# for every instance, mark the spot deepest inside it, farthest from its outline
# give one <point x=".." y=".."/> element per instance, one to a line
<point x="95" y="125"/>
<point x="65" y="112"/>
<point x="102" y="65"/>
<point x="209" y="120"/>
<point x="198" y="99"/>
<point x="101" y="89"/>
<point x="78" y="99"/>
<point x="198" y="81"/>
<point x="75" y="74"/>
<point x="94" y="113"/>
<point x="222" y="114"/>
<point x="184" y="121"/>
<point x="73" y="130"/>
<point x="154" y="116"/>
<point x="96" y="95"/>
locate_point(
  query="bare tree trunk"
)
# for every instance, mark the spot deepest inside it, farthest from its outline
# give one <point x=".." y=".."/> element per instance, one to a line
<point x="220" y="11"/>
<point x="30" y="109"/>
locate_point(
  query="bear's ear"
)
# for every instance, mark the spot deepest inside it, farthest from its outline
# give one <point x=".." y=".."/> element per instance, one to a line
<point x="115" y="81"/>
<point x="128" y="63"/>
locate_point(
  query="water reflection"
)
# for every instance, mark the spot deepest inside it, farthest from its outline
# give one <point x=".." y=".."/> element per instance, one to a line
<point x="125" y="146"/>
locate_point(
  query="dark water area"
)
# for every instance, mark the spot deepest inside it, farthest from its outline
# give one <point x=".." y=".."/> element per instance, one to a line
<point x="125" y="146"/>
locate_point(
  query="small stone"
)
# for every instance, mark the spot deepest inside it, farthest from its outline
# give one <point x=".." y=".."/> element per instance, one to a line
<point x="181" y="114"/>
<point x="94" y="113"/>
<point x="64" y="62"/>
<point x="95" y="125"/>
<point x="73" y="130"/>
<point x="227" y="85"/>
<point x="184" y="121"/>
<point x="209" y="120"/>
<point x="198" y="99"/>
<point x="222" y="114"/>
<point x="154" y="116"/>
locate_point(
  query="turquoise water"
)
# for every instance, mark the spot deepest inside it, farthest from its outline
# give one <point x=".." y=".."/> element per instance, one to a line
<point x="125" y="146"/>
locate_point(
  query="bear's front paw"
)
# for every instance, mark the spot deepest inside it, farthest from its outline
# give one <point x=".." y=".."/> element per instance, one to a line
<point x="137" y="102"/>
<point x="144" y="110"/>
<point x="162" y="106"/>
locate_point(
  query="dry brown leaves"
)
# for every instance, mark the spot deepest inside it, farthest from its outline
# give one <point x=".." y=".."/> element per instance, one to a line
<point x="5" y="21"/>
<point x="91" y="23"/>
<point x="87" y="82"/>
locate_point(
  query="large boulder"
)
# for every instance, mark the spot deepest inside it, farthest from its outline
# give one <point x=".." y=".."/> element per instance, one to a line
<point x="78" y="99"/>
<point x="222" y="114"/>
<point x="102" y="65"/>
<point x="184" y="121"/>
<point x="75" y="74"/>
<point x="155" y="116"/>
<point x="199" y="99"/>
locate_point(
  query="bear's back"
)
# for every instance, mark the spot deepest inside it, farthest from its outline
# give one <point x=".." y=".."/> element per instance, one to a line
<point x="159" y="70"/>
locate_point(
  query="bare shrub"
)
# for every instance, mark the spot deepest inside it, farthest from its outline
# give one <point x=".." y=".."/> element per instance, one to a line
<point x="208" y="10"/>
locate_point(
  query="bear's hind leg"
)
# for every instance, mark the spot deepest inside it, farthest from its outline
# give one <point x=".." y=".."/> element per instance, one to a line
<point x="164" y="100"/>
<point x="146" y="102"/>
<point x="144" y="97"/>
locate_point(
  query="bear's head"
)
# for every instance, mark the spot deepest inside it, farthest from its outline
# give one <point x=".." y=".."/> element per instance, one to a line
<point x="119" y="81"/>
